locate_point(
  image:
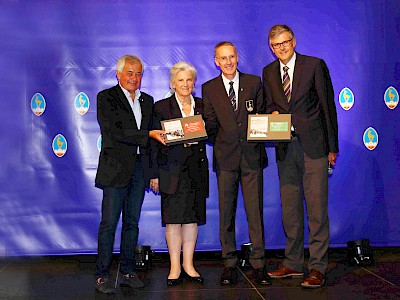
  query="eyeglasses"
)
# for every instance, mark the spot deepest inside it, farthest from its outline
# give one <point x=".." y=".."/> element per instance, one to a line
<point x="284" y="43"/>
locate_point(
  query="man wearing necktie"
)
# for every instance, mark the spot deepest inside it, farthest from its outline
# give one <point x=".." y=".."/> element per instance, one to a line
<point x="301" y="85"/>
<point x="228" y="100"/>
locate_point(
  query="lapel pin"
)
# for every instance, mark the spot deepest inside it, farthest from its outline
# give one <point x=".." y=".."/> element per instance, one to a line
<point x="249" y="105"/>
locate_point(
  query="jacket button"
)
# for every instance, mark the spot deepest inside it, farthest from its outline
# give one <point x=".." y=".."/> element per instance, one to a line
<point x="201" y="149"/>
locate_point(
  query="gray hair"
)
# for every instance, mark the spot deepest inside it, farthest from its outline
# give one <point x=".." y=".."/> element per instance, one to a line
<point x="278" y="29"/>
<point x="131" y="58"/>
<point x="181" y="66"/>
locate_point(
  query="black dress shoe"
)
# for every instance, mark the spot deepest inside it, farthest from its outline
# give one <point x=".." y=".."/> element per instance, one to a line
<point x="229" y="276"/>
<point x="104" y="285"/>
<point x="262" y="276"/>
<point x="197" y="279"/>
<point x="174" y="282"/>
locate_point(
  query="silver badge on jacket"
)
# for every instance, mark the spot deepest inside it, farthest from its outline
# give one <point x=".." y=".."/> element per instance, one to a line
<point x="249" y="105"/>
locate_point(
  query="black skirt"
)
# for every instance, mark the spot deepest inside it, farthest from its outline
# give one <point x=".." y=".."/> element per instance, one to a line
<point x="188" y="204"/>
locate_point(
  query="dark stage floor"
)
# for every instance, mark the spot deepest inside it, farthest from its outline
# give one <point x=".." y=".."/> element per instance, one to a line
<point x="71" y="277"/>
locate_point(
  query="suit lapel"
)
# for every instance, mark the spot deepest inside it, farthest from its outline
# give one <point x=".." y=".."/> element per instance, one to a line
<point x="240" y="98"/>
<point x="174" y="107"/>
<point x="146" y="111"/>
<point x="298" y="69"/>
<point x="197" y="106"/>
<point x="123" y="100"/>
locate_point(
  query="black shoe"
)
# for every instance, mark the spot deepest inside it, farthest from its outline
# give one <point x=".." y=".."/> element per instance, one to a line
<point x="197" y="279"/>
<point x="174" y="282"/>
<point x="229" y="276"/>
<point x="262" y="276"/>
<point x="130" y="280"/>
<point x="104" y="285"/>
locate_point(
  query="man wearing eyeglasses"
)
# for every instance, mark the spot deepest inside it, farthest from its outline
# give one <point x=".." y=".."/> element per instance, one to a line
<point x="301" y="86"/>
<point x="228" y="100"/>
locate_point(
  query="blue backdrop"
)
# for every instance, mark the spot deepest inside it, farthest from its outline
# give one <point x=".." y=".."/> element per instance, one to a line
<point x="55" y="56"/>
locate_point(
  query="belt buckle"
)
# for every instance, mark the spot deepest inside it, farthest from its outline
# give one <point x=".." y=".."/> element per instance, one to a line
<point x="187" y="145"/>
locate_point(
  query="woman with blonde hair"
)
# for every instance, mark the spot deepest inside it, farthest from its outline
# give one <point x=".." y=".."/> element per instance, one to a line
<point x="182" y="177"/>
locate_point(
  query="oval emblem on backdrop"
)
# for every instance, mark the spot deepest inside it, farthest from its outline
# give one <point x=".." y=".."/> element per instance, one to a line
<point x="38" y="104"/>
<point x="370" y="138"/>
<point x="169" y="94"/>
<point x="346" y="98"/>
<point x="99" y="140"/>
<point x="391" y="97"/>
<point x="59" y="145"/>
<point x="82" y="103"/>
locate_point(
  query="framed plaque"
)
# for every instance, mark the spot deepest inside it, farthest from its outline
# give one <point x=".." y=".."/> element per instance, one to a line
<point x="269" y="127"/>
<point x="184" y="130"/>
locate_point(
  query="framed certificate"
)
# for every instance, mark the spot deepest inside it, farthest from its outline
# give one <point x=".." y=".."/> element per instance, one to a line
<point x="269" y="127"/>
<point x="184" y="130"/>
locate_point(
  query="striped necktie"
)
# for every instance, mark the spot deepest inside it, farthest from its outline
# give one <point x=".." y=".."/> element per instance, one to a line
<point x="286" y="83"/>
<point x="232" y="96"/>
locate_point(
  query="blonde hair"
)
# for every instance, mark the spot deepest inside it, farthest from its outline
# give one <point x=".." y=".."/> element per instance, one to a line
<point x="181" y="66"/>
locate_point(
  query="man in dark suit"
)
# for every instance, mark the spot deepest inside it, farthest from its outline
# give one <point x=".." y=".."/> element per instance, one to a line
<point x="124" y="114"/>
<point x="228" y="100"/>
<point x="301" y="85"/>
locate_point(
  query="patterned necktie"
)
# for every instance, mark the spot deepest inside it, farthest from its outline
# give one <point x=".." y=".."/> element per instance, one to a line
<point x="232" y="96"/>
<point x="286" y="83"/>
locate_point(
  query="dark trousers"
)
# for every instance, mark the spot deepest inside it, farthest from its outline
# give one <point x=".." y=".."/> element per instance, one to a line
<point x="129" y="199"/>
<point x="300" y="174"/>
<point x="252" y="187"/>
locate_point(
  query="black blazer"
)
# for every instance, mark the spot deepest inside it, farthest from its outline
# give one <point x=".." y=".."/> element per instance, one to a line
<point x="169" y="159"/>
<point x="312" y="105"/>
<point x="227" y="129"/>
<point x="121" y="137"/>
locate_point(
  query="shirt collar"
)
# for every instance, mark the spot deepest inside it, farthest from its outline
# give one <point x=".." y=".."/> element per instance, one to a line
<point x="128" y="95"/>
<point x="290" y="64"/>
<point x="191" y="104"/>
<point x="235" y="79"/>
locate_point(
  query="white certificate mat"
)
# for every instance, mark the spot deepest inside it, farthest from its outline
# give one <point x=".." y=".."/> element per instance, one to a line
<point x="269" y="127"/>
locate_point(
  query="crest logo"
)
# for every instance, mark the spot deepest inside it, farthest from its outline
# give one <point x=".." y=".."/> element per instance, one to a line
<point x="38" y="104"/>
<point x="391" y="97"/>
<point x="346" y="98"/>
<point x="82" y="103"/>
<point x="59" y="145"/>
<point x="249" y="105"/>
<point x="370" y="138"/>
<point x="99" y="141"/>
<point x="169" y="94"/>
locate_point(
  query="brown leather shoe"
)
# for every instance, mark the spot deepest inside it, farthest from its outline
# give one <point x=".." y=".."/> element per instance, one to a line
<point x="314" y="280"/>
<point x="285" y="272"/>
